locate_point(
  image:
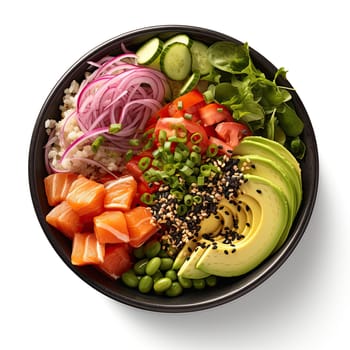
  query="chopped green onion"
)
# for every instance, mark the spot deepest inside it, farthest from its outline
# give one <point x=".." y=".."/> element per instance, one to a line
<point x="134" y="142"/>
<point x="169" y="169"/>
<point x="177" y="194"/>
<point x="181" y="209"/>
<point x="200" y="180"/>
<point x="212" y="150"/>
<point x="147" y="198"/>
<point x="157" y="163"/>
<point x="190" y="180"/>
<point x="196" y="138"/>
<point x="177" y="156"/>
<point x="220" y="109"/>
<point x="188" y="116"/>
<point x="158" y="152"/>
<point x="186" y="170"/>
<point x="195" y="158"/>
<point x="97" y="143"/>
<point x="179" y="105"/>
<point x="188" y="200"/>
<point x="148" y="145"/>
<point x="167" y="146"/>
<point x="197" y="199"/>
<point x="114" y="128"/>
<point x="205" y="170"/>
<point x="196" y="149"/>
<point x="144" y="163"/>
<point x="128" y="155"/>
<point x="162" y="136"/>
<point x="190" y="163"/>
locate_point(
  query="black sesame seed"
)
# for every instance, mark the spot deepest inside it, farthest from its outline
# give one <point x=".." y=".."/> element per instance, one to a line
<point x="226" y="252"/>
<point x="259" y="191"/>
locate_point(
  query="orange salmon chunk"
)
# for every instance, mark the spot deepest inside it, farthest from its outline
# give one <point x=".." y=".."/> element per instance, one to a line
<point x="117" y="260"/>
<point x="65" y="219"/>
<point x="140" y="225"/>
<point x="120" y="193"/>
<point x="57" y="186"/>
<point x="87" y="249"/>
<point x="110" y="227"/>
<point x="86" y="196"/>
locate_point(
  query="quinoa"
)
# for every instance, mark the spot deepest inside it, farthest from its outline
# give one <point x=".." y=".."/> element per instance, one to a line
<point x="82" y="157"/>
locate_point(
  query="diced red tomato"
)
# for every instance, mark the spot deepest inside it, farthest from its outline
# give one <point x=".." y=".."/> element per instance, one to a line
<point x="222" y="146"/>
<point x="120" y="193"/>
<point x="86" y="196"/>
<point x="232" y="132"/>
<point x="57" y="186"/>
<point x="140" y="225"/>
<point x="117" y="260"/>
<point x="162" y="113"/>
<point x="132" y="166"/>
<point x="65" y="219"/>
<point x="214" y="113"/>
<point x="111" y="227"/>
<point x="187" y="103"/>
<point x="173" y="125"/>
<point x="87" y="250"/>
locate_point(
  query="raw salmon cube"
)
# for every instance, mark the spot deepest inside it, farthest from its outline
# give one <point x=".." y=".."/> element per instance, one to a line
<point x="57" y="186"/>
<point x="140" y="225"/>
<point x="117" y="260"/>
<point x="65" y="219"/>
<point x="86" y="196"/>
<point x="110" y="227"/>
<point x="120" y="193"/>
<point x="87" y="249"/>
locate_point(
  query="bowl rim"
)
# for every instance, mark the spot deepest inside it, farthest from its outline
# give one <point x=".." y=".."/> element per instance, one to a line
<point x="266" y="269"/>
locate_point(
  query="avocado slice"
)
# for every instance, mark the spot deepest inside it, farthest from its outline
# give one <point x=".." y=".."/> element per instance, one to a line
<point x="278" y="148"/>
<point x="270" y="211"/>
<point x="253" y="146"/>
<point x="260" y="166"/>
<point x="188" y="268"/>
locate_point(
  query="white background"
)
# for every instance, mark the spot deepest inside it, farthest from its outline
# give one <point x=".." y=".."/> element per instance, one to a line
<point x="304" y="305"/>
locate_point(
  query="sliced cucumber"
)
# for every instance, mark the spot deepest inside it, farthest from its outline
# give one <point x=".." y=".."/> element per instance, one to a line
<point x="191" y="82"/>
<point x="176" y="61"/>
<point x="200" y="60"/>
<point x="179" y="38"/>
<point x="149" y="51"/>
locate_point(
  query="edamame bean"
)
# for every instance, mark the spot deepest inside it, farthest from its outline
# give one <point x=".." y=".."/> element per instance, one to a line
<point x="140" y="266"/>
<point x="171" y="274"/>
<point x="130" y="279"/>
<point x="139" y="252"/>
<point x="174" y="290"/>
<point x="157" y="276"/>
<point x="163" y="254"/>
<point x="166" y="264"/>
<point x="145" y="284"/>
<point x="152" y="266"/>
<point x="152" y="248"/>
<point x="185" y="282"/>
<point x="211" y="281"/>
<point x="162" y="284"/>
<point x="198" y="283"/>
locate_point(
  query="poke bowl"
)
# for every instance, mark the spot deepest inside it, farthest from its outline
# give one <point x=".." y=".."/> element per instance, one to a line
<point x="173" y="168"/>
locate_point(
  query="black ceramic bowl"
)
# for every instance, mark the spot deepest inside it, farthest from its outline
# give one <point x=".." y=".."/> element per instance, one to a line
<point x="228" y="289"/>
